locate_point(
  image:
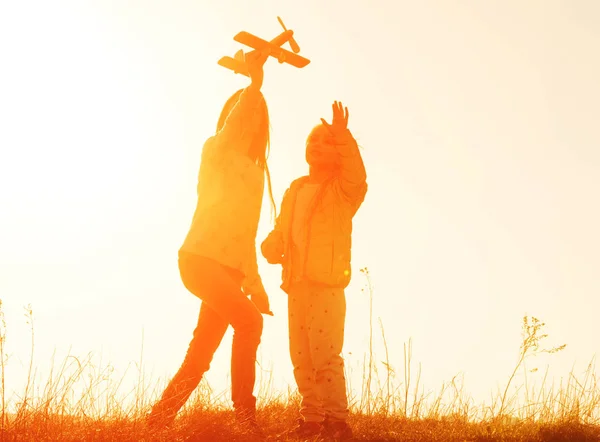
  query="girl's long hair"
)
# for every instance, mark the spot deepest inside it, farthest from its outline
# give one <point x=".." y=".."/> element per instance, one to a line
<point x="260" y="147"/>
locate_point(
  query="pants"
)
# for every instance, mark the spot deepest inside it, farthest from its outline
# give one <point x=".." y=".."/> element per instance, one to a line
<point x="316" y="327"/>
<point x="223" y="303"/>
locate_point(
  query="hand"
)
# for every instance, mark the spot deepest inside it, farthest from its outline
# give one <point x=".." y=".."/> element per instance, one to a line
<point x="261" y="301"/>
<point x="272" y="248"/>
<point x="339" y="122"/>
<point x="255" y="61"/>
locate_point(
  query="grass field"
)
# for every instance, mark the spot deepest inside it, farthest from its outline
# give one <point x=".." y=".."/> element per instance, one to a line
<point x="79" y="401"/>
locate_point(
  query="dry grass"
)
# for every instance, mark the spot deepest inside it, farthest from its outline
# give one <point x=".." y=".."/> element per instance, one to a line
<point x="80" y="401"/>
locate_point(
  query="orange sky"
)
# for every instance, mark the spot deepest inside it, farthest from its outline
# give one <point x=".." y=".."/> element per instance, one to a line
<point x="478" y="128"/>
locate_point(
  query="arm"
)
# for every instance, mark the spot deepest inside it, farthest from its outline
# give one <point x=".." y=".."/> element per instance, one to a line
<point x="272" y="247"/>
<point x="353" y="175"/>
<point x="241" y="119"/>
<point x="252" y="282"/>
<point x="253" y="286"/>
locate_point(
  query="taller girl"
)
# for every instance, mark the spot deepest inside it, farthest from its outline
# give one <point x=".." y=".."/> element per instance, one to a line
<point x="217" y="260"/>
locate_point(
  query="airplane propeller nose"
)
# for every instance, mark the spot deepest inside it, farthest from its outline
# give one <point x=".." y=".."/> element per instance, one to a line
<point x="294" y="45"/>
<point x="292" y="41"/>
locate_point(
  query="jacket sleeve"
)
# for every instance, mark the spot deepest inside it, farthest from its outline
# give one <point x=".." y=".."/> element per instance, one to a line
<point x="353" y="176"/>
<point x="252" y="283"/>
<point x="272" y="247"/>
<point x="236" y="131"/>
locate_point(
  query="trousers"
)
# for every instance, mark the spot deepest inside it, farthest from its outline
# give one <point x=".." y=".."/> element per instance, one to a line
<point x="223" y="304"/>
<point x="316" y="318"/>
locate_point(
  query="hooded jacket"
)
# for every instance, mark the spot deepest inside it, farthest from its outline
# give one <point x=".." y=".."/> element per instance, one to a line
<point x="230" y="193"/>
<point x="328" y="241"/>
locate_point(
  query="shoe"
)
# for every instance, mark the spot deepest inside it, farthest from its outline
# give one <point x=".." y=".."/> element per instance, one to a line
<point x="158" y="420"/>
<point x="246" y="419"/>
<point x="337" y="430"/>
<point x="251" y="428"/>
<point x="304" y="430"/>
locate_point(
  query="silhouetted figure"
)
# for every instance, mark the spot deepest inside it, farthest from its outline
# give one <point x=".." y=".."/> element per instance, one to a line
<point x="218" y="260"/>
<point x="312" y="241"/>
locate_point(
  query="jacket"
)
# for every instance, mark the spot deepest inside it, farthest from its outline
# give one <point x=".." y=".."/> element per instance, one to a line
<point x="230" y="193"/>
<point x="327" y="257"/>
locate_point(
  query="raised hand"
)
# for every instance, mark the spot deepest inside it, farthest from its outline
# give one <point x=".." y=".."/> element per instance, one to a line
<point x="255" y="62"/>
<point x="339" y="121"/>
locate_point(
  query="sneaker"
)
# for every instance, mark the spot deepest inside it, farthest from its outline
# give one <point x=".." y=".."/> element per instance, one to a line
<point x="304" y="430"/>
<point x="337" y="431"/>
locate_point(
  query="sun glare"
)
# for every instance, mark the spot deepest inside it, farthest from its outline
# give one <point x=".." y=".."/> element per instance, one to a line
<point x="477" y="128"/>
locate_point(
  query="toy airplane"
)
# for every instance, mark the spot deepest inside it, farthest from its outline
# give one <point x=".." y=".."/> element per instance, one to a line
<point x="238" y="63"/>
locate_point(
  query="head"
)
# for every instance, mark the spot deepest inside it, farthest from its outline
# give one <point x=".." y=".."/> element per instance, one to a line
<point x="259" y="148"/>
<point x="321" y="154"/>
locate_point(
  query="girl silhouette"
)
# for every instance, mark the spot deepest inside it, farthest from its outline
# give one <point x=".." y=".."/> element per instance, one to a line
<point x="218" y="260"/>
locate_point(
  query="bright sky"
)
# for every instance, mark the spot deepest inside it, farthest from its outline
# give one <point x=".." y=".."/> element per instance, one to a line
<point x="479" y="127"/>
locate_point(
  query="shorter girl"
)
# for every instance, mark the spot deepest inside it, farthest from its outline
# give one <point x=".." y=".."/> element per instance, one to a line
<point x="312" y="241"/>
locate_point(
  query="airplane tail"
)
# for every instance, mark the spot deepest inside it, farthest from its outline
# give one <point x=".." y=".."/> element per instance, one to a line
<point x="239" y="56"/>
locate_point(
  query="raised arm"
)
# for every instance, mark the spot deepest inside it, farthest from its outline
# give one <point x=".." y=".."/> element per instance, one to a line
<point x="353" y="175"/>
<point x="241" y="120"/>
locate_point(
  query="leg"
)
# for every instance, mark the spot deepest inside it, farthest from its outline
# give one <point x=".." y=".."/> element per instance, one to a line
<point x="327" y="314"/>
<point x="304" y="374"/>
<point x="220" y="288"/>
<point x="223" y="303"/>
<point x="207" y="336"/>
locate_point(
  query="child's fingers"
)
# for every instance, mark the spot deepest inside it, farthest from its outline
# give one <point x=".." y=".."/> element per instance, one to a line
<point x="327" y="126"/>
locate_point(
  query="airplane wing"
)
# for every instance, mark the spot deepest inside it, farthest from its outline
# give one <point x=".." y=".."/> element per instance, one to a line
<point x="285" y="56"/>
<point x="276" y="51"/>
<point x="253" y="41"/>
